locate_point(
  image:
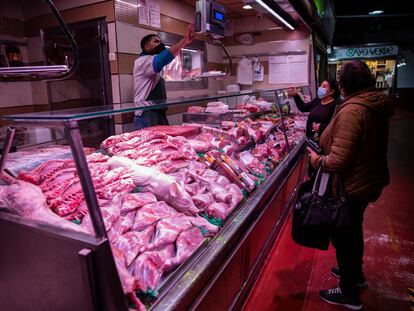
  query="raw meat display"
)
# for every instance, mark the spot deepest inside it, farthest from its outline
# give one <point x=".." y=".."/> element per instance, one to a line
<point x="27" y="200"/>
<point x="149" y="267"/>
<point x="151" y="213"/>
<point x="174" y="70"/>
<point x="159" y="189"/>
<point x="196" y="109"/>
<point x="152" y="147"/>
<point x="187" y="242"/>
<point x="217" y="107"/>
<point x="167" y="230"/>
<point x="200" y="145"/>
<point x="129" y="283"/>
<point x="133" y="243"/>
<point x="61" y="186"/>
<point x="163" y="186"/>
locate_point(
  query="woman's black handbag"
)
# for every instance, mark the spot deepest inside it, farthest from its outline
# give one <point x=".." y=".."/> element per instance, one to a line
<point x="317" y="214"/>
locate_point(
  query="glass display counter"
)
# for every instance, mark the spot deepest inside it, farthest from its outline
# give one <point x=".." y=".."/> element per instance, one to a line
<point x="170" y="217"/>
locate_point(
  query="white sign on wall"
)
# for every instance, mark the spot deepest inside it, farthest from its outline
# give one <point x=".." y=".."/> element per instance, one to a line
<point x="155" y="15"/>
<point x="143" y="12"/>
<point x="291" y="69"/>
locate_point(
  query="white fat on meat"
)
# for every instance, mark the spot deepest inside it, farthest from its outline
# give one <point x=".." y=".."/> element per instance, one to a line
<point x="27" y="200"/>
<point x="164" y="187"/>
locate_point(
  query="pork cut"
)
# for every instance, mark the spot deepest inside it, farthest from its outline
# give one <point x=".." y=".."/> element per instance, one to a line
<point x="128" y="282"/>
<point x="236" y="196"/>
<point x="149" y="267"/>
<point x="27" y="200"/>
<point x="187" y="243"/>
<point x="133" y="201"/>
<point x="132" y="243"/>
<point x="151" y="213"/>
<point x="203" y="200"/>
<point x="168" y="229"/>
<point x="164" y="187"/>
<point x="204" y="225"/>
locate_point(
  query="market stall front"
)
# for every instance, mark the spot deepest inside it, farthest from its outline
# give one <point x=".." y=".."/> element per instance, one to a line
<point x="179" y="216"/>
<point x="382" y="60"/>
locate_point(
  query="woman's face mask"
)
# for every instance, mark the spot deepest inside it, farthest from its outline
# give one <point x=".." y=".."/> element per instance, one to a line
<point x="322" y="92"/>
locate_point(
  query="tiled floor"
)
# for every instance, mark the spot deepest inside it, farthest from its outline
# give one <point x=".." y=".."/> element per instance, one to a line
<point x="293" y="275"/>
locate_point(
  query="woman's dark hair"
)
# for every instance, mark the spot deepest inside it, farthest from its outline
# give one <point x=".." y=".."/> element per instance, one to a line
<point x="333" y="85"/>
<point x="146" y="39"/>
<point x="355" y="76"/>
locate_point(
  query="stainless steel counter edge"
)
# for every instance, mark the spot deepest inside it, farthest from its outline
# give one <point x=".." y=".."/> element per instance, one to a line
<point x="196" y="272"/>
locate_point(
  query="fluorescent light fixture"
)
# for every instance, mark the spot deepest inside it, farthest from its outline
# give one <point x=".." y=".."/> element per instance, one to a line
<point x="128" y="3"/>
<point x="376" y="12"/>
<point x="189" y="50"/>
<point x="269" y="9"/>
<point x="247" y="7"/>
<point x="184" y="49"/>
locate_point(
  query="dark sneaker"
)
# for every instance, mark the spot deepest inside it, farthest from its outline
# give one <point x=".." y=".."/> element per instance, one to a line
<point x="334" y="296"/>
<point x="362" y="282"/>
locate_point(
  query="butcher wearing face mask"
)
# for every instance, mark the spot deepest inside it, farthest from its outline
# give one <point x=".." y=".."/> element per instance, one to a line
<point x="148" y="83"/>
<point x="321" y="109"/>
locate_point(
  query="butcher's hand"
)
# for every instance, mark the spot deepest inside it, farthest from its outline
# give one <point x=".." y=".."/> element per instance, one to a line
<point x="190" y="35"/>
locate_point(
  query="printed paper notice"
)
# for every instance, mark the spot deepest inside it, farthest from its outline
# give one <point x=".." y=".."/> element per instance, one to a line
<point x="278" y="69"/>
<point x="143" y="12"/>
<point x="291" y="69"/>
<point x="155" y="16"/>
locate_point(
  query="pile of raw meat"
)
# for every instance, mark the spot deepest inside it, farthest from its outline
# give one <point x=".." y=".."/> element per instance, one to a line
<point x="151" y="148"/>
<point x="154" y="194"/>
<point x="60" y="184"/>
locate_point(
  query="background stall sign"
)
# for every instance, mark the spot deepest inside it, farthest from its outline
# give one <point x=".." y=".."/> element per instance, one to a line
<point x="365" y="52"/>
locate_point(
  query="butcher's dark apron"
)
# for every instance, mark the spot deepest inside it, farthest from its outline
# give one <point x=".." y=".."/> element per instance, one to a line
<point x="156" y="116"/>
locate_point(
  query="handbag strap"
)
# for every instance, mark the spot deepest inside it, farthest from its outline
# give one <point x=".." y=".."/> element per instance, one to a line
<point x="321" y="183"/>
<point x="317" y="181"/>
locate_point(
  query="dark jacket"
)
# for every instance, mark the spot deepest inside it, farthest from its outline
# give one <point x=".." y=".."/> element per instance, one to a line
<point x="355" y="144"/>
<point x="318" y="113"/>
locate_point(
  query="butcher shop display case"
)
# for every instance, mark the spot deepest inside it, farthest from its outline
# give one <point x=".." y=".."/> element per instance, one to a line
<point x="168" y="217"/>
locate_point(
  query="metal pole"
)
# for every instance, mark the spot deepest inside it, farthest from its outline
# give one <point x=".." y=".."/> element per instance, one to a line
<point x="283" y="123"/>
<point x="75" y="141"/>
<point x="6" y="148"/>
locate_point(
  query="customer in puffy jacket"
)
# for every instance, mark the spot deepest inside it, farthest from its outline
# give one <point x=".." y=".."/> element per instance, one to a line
<point x="321" y="108"/>
<point x="355" y="146"/>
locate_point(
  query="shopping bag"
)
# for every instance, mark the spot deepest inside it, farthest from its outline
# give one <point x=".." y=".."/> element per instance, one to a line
<point x="317" y="213"/>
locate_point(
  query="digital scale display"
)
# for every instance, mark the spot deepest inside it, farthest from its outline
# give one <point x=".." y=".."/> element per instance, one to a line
<point x="218" y="16"/>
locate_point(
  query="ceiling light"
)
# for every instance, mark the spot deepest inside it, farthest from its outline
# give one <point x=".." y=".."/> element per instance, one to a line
<point x="376" y="12"/>
<point x="247" y="7"/>
<point x="270" y="10"/>
<point x="130" y="4"/>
